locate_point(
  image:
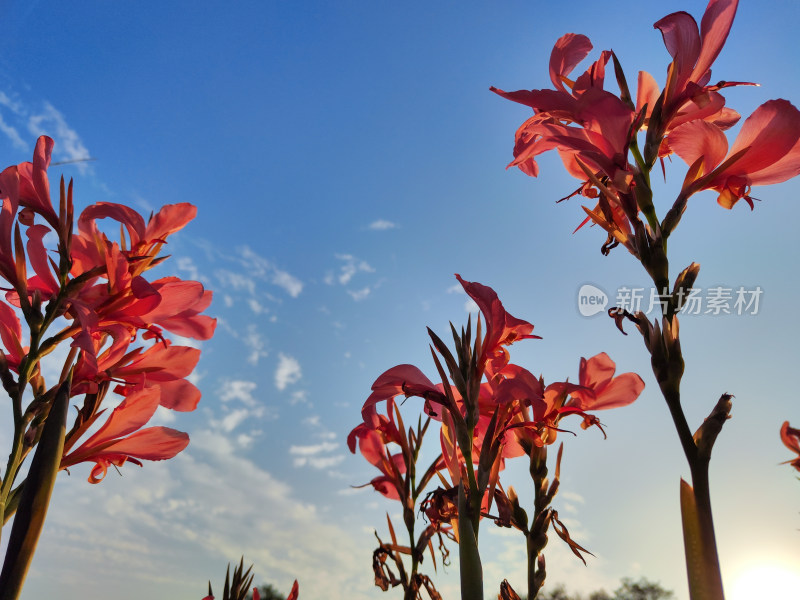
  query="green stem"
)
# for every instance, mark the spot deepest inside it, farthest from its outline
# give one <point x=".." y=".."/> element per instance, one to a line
<point x="537" y="536"/>
<point x="698" y="466"/>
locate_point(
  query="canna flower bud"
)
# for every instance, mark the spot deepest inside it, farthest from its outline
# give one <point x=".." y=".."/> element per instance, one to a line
<point x="684" y="283"/>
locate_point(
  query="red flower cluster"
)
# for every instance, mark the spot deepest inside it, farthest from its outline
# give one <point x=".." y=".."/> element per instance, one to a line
<point x="490" y="409"/>
<point x="112" y="315"/>
<point x="595" y="131"/>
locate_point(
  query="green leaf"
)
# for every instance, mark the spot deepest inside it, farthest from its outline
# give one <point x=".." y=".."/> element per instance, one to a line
<point x="35" y="497"/>
<point x="702" y="565"/>
<point x="468" y="555"/>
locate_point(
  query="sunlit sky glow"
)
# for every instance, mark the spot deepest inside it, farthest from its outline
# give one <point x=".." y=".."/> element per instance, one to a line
<point x="347" y="159"/>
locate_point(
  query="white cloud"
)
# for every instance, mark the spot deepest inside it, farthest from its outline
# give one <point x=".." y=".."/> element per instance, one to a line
<point x="238" y="389"/>
<point x="69" y="146"/>
<point x="255" y="343"/>
<point x="233" y="419"/>
<point x="313" y="421"/>
<point x="236" y="281"/>
<point x="382" y="225"/>
<point x="163" y="416"/>
<point x="351" y="266"/>
<point x="255" y="306"/>
<point x="360" y="294"/>
<point x="291" y="284"/>
<point x="177" y="523"/>
<point x="244" y="440"/>
<point x="288" y="371"/>
<point x="15" y="106"/>
<point x="299" y="397"/>
<point x="471" y="307"/>
<point x="186" y="264"/>
<point x="12" y="134"/>
<point x="259" y="267"/>
<point x="321" y="462"/>
<point x="571" y="496"/>
<point x="313" y="449"/>
<point x="47" y="121"/>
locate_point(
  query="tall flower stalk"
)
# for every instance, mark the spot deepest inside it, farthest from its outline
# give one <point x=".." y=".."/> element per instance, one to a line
<point x="612" y="142"/>
<point x="90" y="293"/>
<point x="490" y="410"/>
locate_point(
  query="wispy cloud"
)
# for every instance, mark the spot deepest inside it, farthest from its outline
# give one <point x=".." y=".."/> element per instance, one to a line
<point x="258" y="266"/>
<point x="238" y="390"/>
<point x="382" y="225"/>
<point x="187" y="265"/>
<point x="299" y="397"/>
<point x="177" y="523"/>
<point x="45" y="120"/>
<point x="316" y="456"/>
<point x="291" y="284"/>
<point x="234" y="281"/>
<point x="359" y="295"/>
<point x="49" y="121"/>
<point x="12" y="134"/>
<point x="351" y="266"/>
<point x="255" y="342"/>
<point x="287" y="372"/>
<point x="251" y="338"/>
<point x="313" y="449"/>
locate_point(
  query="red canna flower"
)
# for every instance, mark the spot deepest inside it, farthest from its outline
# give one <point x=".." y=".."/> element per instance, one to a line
<point x="502" y="329"/>
<point x="791" y="439"/>
<point x="121" y="438"/>
<point x="693" y="52"/>
<point x="372" y="442"/>
<point x="407" y="380"/>
<point x="295" y="593"/>
<point x="599" y="389"/>
<point x="766" y="151"/>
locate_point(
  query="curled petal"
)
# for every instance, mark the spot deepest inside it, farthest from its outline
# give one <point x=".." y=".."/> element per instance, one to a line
<point x="569" y="50"/>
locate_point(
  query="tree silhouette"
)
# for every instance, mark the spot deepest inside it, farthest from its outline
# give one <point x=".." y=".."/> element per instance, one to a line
<point x="267" y="591"/>
<point x="628" y="590"/>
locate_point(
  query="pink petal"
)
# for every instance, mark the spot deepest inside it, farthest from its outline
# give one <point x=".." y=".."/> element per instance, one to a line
<point x="682" y="40"/>
<point x="176" y="296"/>
<point x="781" y="170"/>
<point x="125" y="215"/>
<point x="197" y="327"/>
<point x="132" y="414"/>
<point x="163" y="364"/>
<point x="151" y="443"/>
<point x="597" y="371"/>
<point x="594" y="76"/>
<point x="622" y="390"/>
<point x="180" y="395"/>
<point x="34" y="185"/>
<point x="647" y="92"/>
<point x="295" y="591"/>
<point x="569" y="50"/>
<point x="714" y="29"/>
<point x="9" y="191"/>
<point x="769" y="133"/>
<point x="697" y="139"/>
<point x="169" y="219"/>
<point x="402" y="379"/>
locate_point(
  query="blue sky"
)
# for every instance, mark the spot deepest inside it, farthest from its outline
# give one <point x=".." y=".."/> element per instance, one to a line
<point x="347" y="159"/>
